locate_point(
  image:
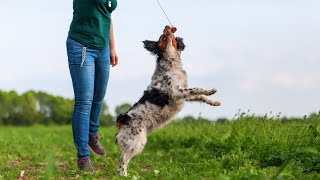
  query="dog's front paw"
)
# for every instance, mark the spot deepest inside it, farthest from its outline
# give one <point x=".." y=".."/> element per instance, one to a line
<point x="213" y="103"/>
<point x="210" y="92"/>
<point x="216" y="103"/>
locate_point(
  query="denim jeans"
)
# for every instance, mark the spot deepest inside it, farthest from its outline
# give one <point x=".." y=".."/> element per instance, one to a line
<point x="89" y="69"/>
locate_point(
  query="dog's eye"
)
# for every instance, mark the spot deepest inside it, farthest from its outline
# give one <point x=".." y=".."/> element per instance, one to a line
<point x="164" y="38"/>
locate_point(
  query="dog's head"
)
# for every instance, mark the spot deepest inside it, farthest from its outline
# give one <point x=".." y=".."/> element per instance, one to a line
<point x="167" y="46"/>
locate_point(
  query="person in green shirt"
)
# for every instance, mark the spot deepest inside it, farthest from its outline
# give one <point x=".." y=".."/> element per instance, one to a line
<point x="91" y="51"/>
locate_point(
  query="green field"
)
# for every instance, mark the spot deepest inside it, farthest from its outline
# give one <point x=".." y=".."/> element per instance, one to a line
<point x="246" y="148"/>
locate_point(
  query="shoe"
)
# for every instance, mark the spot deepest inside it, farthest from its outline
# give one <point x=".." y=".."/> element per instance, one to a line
<point x="85" y="164"/>
<point x="95" y="146"/>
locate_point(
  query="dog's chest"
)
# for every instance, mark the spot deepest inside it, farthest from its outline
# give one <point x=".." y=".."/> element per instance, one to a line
<point x="169" y="77"/>
<point x="178" y="79"/>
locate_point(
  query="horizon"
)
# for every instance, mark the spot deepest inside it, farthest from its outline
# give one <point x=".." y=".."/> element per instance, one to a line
<point x="247" y="112"/>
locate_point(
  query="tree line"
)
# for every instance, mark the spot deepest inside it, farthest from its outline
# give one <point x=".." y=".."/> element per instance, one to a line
<point x="42" y="108"/>
<point x="33" y="107"/>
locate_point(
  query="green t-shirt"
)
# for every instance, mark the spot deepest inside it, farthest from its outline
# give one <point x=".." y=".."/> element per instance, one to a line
<point x="91" y="22"/>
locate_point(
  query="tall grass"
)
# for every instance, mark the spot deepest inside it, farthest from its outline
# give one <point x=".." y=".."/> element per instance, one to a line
<point x="247" y="148"/>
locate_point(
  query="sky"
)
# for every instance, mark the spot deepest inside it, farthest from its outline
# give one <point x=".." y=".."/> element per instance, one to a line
<point x="262" y="56"/>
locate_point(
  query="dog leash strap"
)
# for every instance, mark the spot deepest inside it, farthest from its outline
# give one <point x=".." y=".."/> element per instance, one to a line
<point x="164" y="12"/>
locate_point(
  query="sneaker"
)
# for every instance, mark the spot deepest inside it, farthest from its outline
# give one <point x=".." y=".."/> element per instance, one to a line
<point x="85" y="164"/>
<point x="95" y="146"/>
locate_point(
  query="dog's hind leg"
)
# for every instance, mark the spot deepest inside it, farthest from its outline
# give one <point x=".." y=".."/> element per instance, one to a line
<point x="133" y="146"/>
<point x="201" y="98"/>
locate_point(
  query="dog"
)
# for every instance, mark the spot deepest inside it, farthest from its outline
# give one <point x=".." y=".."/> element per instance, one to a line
<point x="162" y="100"/>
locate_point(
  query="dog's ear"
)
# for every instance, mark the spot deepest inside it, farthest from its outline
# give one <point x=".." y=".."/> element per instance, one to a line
<point x="151" y="46"/>
<point x="180" y="44"/>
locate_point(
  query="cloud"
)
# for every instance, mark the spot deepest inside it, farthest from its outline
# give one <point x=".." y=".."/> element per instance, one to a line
<point x="256" y="81"/>
<point x="298" y="81"/>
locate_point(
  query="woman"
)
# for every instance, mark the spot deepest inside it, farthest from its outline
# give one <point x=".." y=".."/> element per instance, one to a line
<point x="91" y="51"/>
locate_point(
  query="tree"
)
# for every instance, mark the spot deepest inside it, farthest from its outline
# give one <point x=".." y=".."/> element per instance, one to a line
<point x="28" y="114"/>
<point x="9" y="107"/>
<point x="3" y="96"/>
<point x="189" y="118"/>
<point x="61" y="109"/>
<point x="122" y="108"/>
<point x="107" y="120"/>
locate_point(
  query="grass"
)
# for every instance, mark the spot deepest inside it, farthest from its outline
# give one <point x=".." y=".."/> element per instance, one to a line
<point x="247" y="148"/>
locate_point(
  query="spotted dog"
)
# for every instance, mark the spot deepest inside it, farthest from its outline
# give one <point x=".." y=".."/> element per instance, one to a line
<point x="162" y="100"/>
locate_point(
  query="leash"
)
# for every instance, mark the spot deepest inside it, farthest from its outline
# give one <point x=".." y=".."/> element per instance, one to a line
<point x="164" y="13"/>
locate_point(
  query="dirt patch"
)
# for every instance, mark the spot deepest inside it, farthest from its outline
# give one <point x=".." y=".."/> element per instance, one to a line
<point x="12" y="163"/>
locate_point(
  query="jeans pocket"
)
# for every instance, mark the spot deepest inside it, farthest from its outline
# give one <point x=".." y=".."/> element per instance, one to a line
<point x="73" y="43"/>
<point x="76" y="52"/>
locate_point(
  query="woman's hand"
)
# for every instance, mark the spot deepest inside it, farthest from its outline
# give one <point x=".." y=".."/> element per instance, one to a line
<point x="113" y="58"/>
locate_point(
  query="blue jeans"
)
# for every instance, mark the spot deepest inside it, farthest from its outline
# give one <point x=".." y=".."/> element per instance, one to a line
<point x="89" y="69"/>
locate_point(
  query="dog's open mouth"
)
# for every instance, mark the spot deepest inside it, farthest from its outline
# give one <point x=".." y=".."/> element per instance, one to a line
<point x="168" y="39"/>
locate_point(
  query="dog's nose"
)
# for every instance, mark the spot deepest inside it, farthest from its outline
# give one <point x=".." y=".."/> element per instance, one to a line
<point x="166" y="29"/>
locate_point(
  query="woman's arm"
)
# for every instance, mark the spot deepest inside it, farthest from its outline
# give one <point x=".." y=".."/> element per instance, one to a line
<point x="113" y="53"/>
